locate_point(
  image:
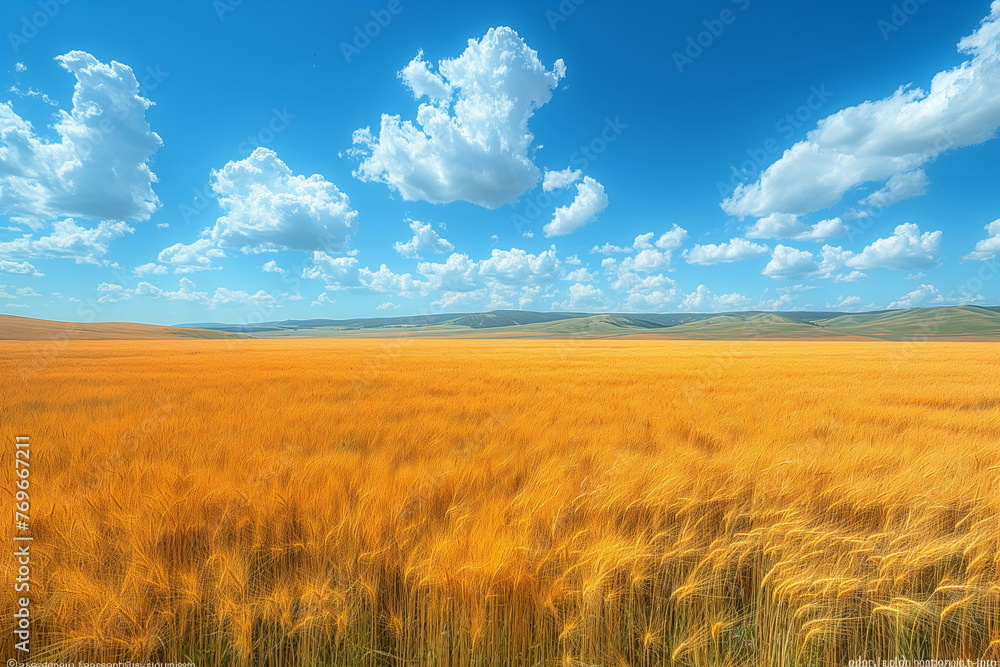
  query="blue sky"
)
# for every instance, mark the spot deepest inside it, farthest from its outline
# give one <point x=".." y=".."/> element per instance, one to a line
<point x="241" y="161"/>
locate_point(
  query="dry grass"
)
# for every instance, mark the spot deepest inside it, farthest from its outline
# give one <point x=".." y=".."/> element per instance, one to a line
<point x="509" y="502"/>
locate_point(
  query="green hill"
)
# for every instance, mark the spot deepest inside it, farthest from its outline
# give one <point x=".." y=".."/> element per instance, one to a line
<point x="914" y="323"/>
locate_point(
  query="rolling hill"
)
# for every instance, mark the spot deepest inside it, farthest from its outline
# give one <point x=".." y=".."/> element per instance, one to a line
<point x="917" y="324"/>
<point x="946" y="322"/>
<point x="13" y="327"/>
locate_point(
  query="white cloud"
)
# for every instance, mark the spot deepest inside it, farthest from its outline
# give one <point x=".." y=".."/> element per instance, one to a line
<point x="875" y="141"/>
<point x="342" y="273"/>
<point x="668" y="241"/>
<point x="581" y="275"/>
<point x="650" y="256"/>
<point x="849" y="303"/>
<point x="111" y="293"/>
<point x="150" y="268"/>
<point x="652" y="292"/>
<point x="195" y="256"/>
<point x="989" y="247"/>
<point x="517" y="267"/>
<point x="582" y="297"/>
<point x="555" y="180"/>
<point x="422" y="82"/>
<point x="573" y="260"/>
<point x="736" y="250"/>
<point x="471" y="140"/>
<point x="788" y="226"/>
<point x="99" y="167"/>
<point x="457" y="274"/>
<point x="898" y="188"/>
<point x="608" y="249"/>
<point x="824" y="229"/>
<point x="906" y="249"/>
<point x="69" y="240"/>
<point x="851" y="277"/>
<point x="388" y="305"/>
<point x="272" y="267"/>
<point x="19" y="268"/>
<point x="776" y="226"/>
<point x="450" y="300"/>
<point x="186" y="292"/>
<point x="922" y="296"/>
<point x="791" y="263"/>
<point x="20" y="67"/>
<point x="267" y="206"/>
<point x="589" y="202"/>
<point x="424" y="239"/>
<point x="702" y="299"/>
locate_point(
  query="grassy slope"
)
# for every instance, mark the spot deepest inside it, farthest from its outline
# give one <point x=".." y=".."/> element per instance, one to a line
<point x="944" y="322"/>
<point x="13" y="327"/>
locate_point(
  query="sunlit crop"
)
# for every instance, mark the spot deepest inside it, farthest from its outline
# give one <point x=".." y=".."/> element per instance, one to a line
<point x="478" y="502"/>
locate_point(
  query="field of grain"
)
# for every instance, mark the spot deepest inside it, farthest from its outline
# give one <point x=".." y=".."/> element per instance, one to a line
<point x="476" y="502"/>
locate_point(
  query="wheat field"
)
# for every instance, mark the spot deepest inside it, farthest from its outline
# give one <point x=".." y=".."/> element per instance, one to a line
<point x="477" y="502"/>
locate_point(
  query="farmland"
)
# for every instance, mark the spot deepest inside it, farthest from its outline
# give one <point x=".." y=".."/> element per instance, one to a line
<point x="508" y="502"/>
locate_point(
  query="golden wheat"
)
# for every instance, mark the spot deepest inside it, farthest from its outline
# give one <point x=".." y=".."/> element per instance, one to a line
<point x="420" y="502"/>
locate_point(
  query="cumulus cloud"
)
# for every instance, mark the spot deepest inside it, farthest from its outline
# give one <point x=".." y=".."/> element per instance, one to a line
<point x="425" y="239"/>
<point x="267" y="206"/>
<point x="457" y="274"/>
<point x="702" y="299"/>
<point x="555" y="180"/>
<point x="345" y="273"/>
<point x="609" y="249"/>
<point x="192" y="257"/>
<point x="907" y="249"/>
<point x="152" y="268"/>
<point x="790" y="263"/>
<point x="736" y="250"/>
<point x="187" y="292"/>
<point x="19" y="268"/>
<point x="589" y="202"/>
<point x="989" y="247"/>
<point x="99" y="166"/>
<point x="272" y="267"/>
<point x="651" y="292"/>
<point x="922" y="296"/>
<point x="517" y="267"/>
<point x="68" y="240"/>
<point x="650" y="256"/>
<point x="822" y="230"/>
<point x="892" y="137"/>
<point x="899" y="188"/>
<point x="470" y="140"/>
<point x="788" y="226"/>
<point x="582" y="297"/>
<point x="848" y="303"/>
<point x="581" y="275"/>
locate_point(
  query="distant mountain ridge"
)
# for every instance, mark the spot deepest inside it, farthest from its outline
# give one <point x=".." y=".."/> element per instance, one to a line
<point x="941" y="323"/>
